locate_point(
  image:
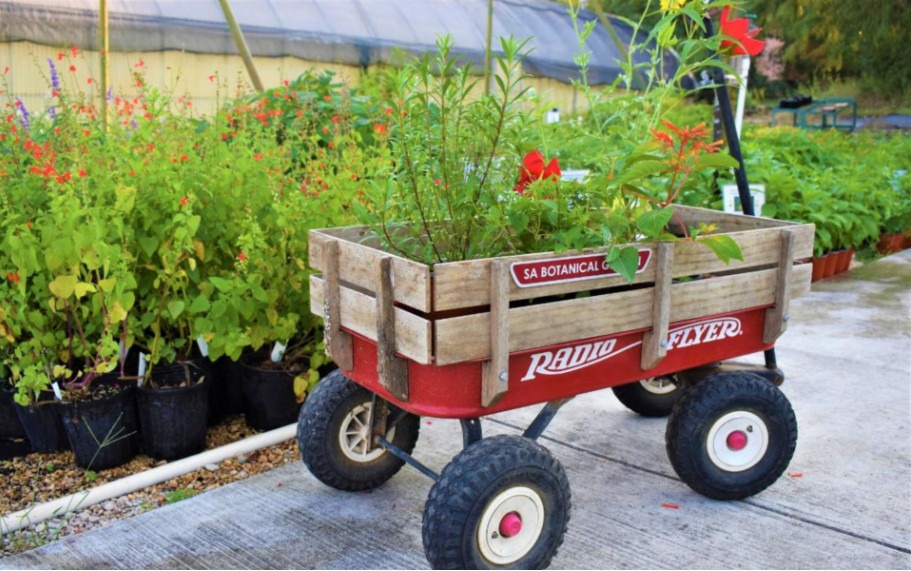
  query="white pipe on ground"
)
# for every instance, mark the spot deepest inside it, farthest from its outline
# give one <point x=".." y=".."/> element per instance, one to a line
<point x="67" y="504"/>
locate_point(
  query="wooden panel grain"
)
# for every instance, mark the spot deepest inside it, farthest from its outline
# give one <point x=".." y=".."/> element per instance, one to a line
<point x="337" y="342"/>
<point x="495" y="373"/>
<point x="467" y="284"/>
<point x="468" y="337"/>
<point x="391" y="370"/>
<point x="357" y="263"/>
<point x="358" y="314"/>
<point x="654" y="342"/>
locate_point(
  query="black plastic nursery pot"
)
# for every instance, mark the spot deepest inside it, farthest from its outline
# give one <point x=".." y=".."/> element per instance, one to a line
<point x="43" y="426"/>
<point x="10" y="427"/>
<point x="268" y="392"/>
<point x="226" y="393"/>
<point x="173" y="418"/>
<point x="104" y="432"/>
<point x="13" y="441"/>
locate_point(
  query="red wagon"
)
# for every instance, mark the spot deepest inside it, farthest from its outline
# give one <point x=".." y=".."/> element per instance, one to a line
<point x="467" y="339"/>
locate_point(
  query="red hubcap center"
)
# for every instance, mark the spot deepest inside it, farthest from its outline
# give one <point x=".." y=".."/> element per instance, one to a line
<point x="510" y="525"/>
<point x="737" y="440"/>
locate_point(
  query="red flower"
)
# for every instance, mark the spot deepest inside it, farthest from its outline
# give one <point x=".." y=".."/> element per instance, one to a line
<point x="742" y="39"/>
<point x="533" y="169"/>
<point x="13" y="277"/>
<point x="379" y="128"/>
<point x="82" y="173"/>
<point x="241" y="257"/>
<point x="75" y="51"/>
<point x="72" y="68"/>
<point x="183" y="201"/>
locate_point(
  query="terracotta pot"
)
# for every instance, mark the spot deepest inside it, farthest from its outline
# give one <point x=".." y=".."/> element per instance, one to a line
<point x="819" y="268"/>
<point x="831" y="262"/>
<point x="844" y="260"/>
<point x="890" y="243"/>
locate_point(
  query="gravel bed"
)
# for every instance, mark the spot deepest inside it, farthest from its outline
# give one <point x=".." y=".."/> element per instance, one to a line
<point x="38" y="478"/>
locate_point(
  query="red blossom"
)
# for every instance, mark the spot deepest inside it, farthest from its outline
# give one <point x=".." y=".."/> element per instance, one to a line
<point x="327" y="98"/>
<point x="741" y="38"/>
<point x="533" y="169"/>
<point x="241" y="257"/>
<point x="74" y="50"/>
<point x="379" y="128"/>
<point x="388" y="111"/>
<point x="13" y="277"/>
<point x="183" y="201"/>
<point x="60" y="56"/>
<point x="258" y="157"/>
<point x="82" y="173"/>
<point x="72" y="68"/>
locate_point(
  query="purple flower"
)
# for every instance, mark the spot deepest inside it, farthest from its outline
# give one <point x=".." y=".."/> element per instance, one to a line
<point x="25" y="119"/>
<point x="110" y="92"/>
<point x="52" y="112"/>
<point x="55" y="78"/>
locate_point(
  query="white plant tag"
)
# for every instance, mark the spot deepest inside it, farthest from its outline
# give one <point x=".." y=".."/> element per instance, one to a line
<point x="142" y="369"/>
<point x="203" y="346"/>
<point x="57" y="392"/>
<point x="278" y="351"/>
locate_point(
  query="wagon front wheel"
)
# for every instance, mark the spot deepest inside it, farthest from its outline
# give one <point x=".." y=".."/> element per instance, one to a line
<point x="334" y="436"/>
<point x="731" y="436"/>
<point x="501" y="503"/>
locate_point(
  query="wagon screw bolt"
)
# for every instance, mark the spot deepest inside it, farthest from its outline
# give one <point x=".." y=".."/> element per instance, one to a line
<point x="750" y="428"/>
<point x="785" y="317"/>
<point x="663" y="343"/>
<point x="504" y="376"/>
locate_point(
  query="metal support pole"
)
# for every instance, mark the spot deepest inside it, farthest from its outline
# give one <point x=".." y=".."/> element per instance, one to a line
<point x="103" y="49"/>
<point x="733" y="141"/>
<point x="242" y="48"/>
<point x="488" y="52"/>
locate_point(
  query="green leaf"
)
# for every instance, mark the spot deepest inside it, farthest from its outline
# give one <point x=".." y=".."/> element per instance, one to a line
<point x="222" y="284"/>
<point x="653" y="222"/>
<point x="725" y="247"/>
<point x="200" y="304"/>
<point x="642" y="169"/>
<point x="83" y="288"/>
<point x="149" y="244"/>
<point x="718" y="161"/>
<point x="175" y="308"/>
<point x="63" y="287"/>
<point x="624" y="261"/>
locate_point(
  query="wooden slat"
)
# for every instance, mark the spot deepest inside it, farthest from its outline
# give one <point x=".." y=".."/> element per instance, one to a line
<point x="337" y="342"/>
<point x="495" y="379"/>
<point x="654" y="342"/>
<point x="776" y="317"/>
<point x="466" y="284"/>
<point x="467" y="338"/>
<point x="392" y="371"/>
<point x="358" y="315"/>
<point x="358" y="255"/>
<point x="725" y="221"/>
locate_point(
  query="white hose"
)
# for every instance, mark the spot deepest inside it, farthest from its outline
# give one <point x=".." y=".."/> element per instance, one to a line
<point x="67" y="504"/>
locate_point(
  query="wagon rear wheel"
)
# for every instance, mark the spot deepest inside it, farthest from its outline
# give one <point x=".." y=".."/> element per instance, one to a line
<point x="501" y="503"/>
<point x="731" y="436"/>
<point x="334" y="435"/>
<point x="653" y="397"/>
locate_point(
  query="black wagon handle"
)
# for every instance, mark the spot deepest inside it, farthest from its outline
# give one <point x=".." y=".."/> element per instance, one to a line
<point x="733" y="142"/>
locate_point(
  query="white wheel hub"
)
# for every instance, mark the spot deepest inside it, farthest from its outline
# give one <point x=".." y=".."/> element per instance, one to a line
<point x="659" y="385"/>
<point x="737" y="441"/>
<point x="354" y="435"/>
<point x="511" y="525"/>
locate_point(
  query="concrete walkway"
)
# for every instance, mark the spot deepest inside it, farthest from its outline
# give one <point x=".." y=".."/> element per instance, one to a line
<point x="845" y="502"/>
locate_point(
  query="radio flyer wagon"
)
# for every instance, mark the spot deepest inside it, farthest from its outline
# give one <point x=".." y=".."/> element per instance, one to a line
<point x="466" y="339"/>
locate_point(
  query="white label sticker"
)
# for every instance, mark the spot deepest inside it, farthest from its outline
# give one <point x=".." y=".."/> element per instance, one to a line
<point x="278" y="351"/>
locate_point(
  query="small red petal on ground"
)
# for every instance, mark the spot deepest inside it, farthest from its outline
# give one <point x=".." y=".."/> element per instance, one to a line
<point x="279" y="484"/>
<point x="429" y="422"/>
<point x="670" y="506"/>
<point x="795" y="474"/>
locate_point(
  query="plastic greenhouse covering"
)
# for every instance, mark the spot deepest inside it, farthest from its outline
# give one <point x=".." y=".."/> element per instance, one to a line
<point x="351" y="32"/>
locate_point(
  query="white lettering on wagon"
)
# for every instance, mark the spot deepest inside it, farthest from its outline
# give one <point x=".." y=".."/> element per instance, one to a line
<point x="576" y="357"/>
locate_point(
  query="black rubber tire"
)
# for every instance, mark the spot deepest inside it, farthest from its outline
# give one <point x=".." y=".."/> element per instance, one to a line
<point x="318" y="428"/>
<point x="457" y="501"/>
<point x="691" y="422"/>
<point x="645" y="403"/>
